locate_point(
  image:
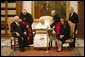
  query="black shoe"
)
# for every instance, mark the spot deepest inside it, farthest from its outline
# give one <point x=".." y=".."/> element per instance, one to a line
<point x="28" y="47"/>
<point x="22" y="50"/>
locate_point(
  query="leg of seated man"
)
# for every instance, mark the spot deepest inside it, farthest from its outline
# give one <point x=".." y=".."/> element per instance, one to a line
<point x="20" y="42"/>
<point x="25" y="41"/>
<point x="21" y="45"/>
<point x="65" y="38"/>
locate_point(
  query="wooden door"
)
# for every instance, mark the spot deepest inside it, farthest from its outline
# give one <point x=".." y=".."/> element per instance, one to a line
<point x="81" y="19"/>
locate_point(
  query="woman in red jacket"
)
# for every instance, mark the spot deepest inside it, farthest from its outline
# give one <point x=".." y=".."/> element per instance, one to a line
<point x="57" y="30"/>
<point x="62" y="30"/>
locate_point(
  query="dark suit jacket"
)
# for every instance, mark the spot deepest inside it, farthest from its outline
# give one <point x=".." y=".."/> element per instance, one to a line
<point x="14" y="28"/>
<point x="73" y="18"/>
<point x="65" y="30"/>
<point x="28" y="18"/>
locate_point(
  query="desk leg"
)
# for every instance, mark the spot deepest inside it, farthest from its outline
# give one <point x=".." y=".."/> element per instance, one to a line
<point x="11" y="43"/>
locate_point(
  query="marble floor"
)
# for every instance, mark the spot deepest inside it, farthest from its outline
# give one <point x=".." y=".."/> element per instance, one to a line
<point x="79" y="42"/>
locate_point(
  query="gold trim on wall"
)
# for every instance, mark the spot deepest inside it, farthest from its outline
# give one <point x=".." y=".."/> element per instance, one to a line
<point x="35" y="20"/>
<point x="67" y="11"/>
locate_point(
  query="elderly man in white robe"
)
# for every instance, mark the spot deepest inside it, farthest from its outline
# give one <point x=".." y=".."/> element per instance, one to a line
<point x="42" y="39"/>
<point x="42" y="24"/>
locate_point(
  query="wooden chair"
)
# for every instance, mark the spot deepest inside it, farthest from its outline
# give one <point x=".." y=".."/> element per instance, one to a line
<point x="71" y="40"/>
<point x="13" y="40"/>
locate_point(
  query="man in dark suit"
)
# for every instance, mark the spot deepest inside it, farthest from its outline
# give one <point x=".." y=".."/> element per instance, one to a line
<point x="73" y="17"/>
<point x="19" y="31"/>
<point x="56" y="18"/>
<point x="28" y="20"/>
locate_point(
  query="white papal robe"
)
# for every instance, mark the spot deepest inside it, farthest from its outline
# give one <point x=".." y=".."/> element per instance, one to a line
<point x="41" y="40"/>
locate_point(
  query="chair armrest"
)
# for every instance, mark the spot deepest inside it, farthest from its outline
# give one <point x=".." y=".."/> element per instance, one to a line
<point x="69" y="41"/>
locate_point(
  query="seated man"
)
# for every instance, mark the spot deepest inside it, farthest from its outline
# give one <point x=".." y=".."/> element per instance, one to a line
<point x="19" y="31"/>
<point x="41" y="39"/>
<point x="42" y="24"/>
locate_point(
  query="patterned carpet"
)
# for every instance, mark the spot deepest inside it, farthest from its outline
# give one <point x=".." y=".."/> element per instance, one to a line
<point x="7" y="51"/>
<point x="51" y="52"/>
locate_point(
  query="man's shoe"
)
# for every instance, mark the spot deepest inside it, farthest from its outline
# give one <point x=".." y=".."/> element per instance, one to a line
<point x="22" y="50"/>
<point x="28" y="47"/>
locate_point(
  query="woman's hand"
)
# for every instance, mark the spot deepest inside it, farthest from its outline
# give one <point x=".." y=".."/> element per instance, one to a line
<point x="61" y="36"/>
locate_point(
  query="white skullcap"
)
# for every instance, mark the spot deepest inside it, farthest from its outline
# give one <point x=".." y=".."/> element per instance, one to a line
<point x="41" y="18"/>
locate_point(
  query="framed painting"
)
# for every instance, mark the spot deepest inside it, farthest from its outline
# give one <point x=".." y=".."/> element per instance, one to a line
<point x="44" y="8"/>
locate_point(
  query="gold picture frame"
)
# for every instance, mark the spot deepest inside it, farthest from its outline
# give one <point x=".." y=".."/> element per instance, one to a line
<point x="37" y="19"/>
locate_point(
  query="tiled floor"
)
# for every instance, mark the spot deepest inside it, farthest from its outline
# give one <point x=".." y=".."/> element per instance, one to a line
<point x="79" y="42"/>
<point x="6" y="50"/>
<point x="78" y="51"/>
<point x="5" y="42"/>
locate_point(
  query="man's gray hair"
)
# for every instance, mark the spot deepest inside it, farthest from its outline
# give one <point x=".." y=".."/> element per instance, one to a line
<point x="53" y="11"/>
<point x="16" y="17"/>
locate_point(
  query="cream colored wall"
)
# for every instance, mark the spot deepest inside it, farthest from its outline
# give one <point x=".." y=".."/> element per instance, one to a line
<point x="74" y="4"/>
<point x="27" y="5"/>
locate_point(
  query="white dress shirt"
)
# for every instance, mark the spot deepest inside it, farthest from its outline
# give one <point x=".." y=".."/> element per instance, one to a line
<point x="17" y="23"/>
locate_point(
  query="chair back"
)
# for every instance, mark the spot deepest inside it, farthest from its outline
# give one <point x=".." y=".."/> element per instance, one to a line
<point x="48" y="19"/>
<point x="72" y="28"/>
<point x="9" y="21"/>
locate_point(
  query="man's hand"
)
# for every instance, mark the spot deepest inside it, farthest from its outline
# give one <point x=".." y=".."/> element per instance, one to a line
<point x="61" y="36"/>
<point x="76" y="32"/>
<point x="17" y="34"/>
<point x="25" y="33"/>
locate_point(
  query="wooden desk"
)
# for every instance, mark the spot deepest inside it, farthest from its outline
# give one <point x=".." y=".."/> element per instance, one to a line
<point x="42" y="38"/>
